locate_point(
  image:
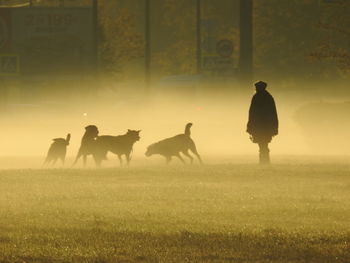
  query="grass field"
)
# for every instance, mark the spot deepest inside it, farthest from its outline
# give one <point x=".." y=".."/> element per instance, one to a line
<point x="215" y="213"/>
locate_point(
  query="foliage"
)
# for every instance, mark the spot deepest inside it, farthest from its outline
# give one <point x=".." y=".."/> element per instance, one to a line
<point x="183" y="30"/>
<point x="288" y="33"/>
<point x="119" y="40"/>
<point x="335" y="42"/>
<point x="184" y="36"/>
<point x="284" y="34"/>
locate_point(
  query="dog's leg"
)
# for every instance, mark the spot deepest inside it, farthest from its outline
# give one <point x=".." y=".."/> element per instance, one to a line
<point x="46" y="162"/>
<point x="199" y="158"/>
<point x="188" y="155"/>
<point x="128" y="158"/>
<point x="54" y="161"/>
<point x="98" y="161"/>
<point x="181" y="159"/>
<point x="120" y="160"/>
<point x="77" y="158"/>
<point x="195" y="152"/>
<point x="63" y="159"/>
<point x="84" y="160"/>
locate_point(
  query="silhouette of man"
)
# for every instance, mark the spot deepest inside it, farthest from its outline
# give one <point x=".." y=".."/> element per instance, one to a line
<point x="263" y="120"/>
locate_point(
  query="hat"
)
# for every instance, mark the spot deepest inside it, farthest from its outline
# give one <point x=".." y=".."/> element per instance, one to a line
<point x="261" y="85"/>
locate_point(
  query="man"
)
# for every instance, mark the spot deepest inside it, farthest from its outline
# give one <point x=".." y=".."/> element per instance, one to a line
<point x="263" y="120"/>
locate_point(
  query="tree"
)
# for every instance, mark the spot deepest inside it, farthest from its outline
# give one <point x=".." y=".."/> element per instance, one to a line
<point x="119" y="40"/>
<point x="334" y="46"/>
<point x="301" y="39"/>
<point x="284" y="35"/>
<point x="179" y="17"/>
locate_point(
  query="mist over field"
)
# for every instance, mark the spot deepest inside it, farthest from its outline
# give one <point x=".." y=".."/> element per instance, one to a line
<point x="309" y="123"/>
<point x="155" y="66"/>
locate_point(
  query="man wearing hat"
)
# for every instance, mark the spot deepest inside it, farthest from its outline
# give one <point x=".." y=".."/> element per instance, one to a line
<point x="263" y="120"/>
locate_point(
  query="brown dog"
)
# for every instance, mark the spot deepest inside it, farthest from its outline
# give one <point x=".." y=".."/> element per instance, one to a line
<point x="173" y="146"/>
<point x="119" y="145"/>
<point x="57" y="150"/>
<point x="87" y="145"/>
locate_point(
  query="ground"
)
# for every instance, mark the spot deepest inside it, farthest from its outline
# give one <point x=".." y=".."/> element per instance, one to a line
<point x="212" y="213"/>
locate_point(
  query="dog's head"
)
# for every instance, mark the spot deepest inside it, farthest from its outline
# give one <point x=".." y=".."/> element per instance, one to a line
<point x="152" y="149"/>
<point x="92" y="131"/>
<point x="134" y="135"/>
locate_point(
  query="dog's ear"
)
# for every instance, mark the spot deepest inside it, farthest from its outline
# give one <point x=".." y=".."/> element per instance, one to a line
<point x="68" y="137"/>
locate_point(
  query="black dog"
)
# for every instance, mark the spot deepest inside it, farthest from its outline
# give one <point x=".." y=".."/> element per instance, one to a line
<point x="57" y="150"/>
<point x="119" y="145"/>
<point x="87" y="146"/>
<point x="174" y="145"/>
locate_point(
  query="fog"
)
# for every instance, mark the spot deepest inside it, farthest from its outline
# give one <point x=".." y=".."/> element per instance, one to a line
<point x="77" y="63"/>
<point x="311" y="123"/>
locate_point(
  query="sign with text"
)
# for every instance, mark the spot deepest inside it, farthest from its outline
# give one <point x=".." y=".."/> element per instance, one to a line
<point x="217" y="63"/>
<point x="49" y="40"/>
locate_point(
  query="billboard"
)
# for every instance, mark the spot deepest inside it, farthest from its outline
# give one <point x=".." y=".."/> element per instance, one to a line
<point x="49" y="40"/>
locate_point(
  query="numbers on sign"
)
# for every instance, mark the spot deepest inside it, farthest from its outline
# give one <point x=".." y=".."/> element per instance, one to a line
<point x="68" y="19"/>
<point x="55" y="20"/>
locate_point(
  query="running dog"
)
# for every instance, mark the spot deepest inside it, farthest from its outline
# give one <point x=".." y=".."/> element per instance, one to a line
<point x="57" y="150"/>
<point x="119" y="145"/>
<point x="173" y="146"/>
<point x="87" y="146"/>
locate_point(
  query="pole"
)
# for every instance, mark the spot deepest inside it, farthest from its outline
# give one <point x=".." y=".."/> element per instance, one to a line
<point x="147" y="46"/>
<point x="246" y="42"/>
<point x="95" y="34"/>
<point x="3" y="95"/>
<point x="199" y="37"/>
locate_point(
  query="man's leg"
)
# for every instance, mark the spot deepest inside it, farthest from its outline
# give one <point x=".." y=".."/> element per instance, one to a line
<point x="264" y="153"/>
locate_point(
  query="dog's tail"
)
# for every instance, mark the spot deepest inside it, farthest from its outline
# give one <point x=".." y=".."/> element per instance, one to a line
<point x="68" y="138"/>
<point x="188" y="129"/>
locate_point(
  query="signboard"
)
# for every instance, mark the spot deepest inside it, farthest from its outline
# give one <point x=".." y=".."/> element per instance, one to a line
<point x="49" y="40"/>
<point x="333" y="1"/>
<point x="9" y="64"/>
<point x="225" y="48"/>
<point x="217" y="63"/>
<point x="222" y="57"/>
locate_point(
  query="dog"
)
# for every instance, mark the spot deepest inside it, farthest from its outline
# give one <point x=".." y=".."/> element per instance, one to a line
<point x="173" y="146"/>
<point x="57" y="150"/>
<point x="87" y="145"/>
<point x="119" y="145"/>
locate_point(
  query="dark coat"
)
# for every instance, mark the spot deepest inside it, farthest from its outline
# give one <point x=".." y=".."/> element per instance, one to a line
<point x="263" y="119"/>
